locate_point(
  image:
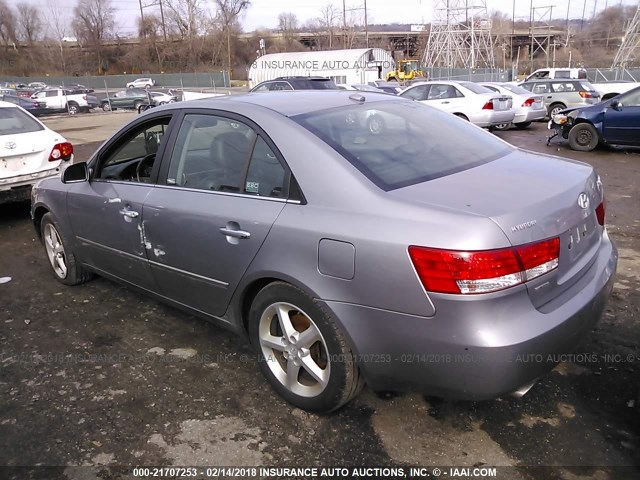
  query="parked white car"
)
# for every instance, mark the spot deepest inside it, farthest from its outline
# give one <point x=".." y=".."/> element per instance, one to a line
<point x="467" y="100"/>
<point x="528" y="107"/>
<point x="62" y="99"/>
<point x="142" y="83"/>
<point x="359" y="86"/>
<point x="161" y="98"/>
<point x="29" y="151"/>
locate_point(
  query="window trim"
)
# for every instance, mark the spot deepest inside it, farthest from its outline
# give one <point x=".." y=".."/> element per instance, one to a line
<point x="161" y="180"/>
<point x="95" y="163"/>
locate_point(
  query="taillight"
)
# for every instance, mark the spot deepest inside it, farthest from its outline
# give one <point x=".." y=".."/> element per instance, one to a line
<point x="61" y="151"/>
<point x="600" y="211"/>
<point x="528" y="102"/>
<point x="465" y="272"/>
<point x="585" y="94"/>
<point x="488" y="105"/>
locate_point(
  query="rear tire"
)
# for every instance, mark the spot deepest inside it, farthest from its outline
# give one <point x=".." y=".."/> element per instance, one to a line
<point x="61" y="258"/>
<point x="583" y="137"/>
<point x="137" y="105"/>
<point x="555" y="108"/>
<point x="73" y="108"/>
<point x="375" y="125"/>
<point x="106" y="107"/>
<point x="522" y="125"/>
<point x="502" y="127"/>
<point x="301" y="350"/>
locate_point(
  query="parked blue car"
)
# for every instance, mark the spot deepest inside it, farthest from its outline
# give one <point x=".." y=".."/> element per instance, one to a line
<point x="615" y="121"/>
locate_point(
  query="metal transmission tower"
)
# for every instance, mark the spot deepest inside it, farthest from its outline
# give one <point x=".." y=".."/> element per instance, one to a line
<point x="460" y="35"/>
<point x="628" y="51"/>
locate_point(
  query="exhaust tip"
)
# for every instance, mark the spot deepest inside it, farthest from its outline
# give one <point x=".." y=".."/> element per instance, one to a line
<point x="522" y="391"/>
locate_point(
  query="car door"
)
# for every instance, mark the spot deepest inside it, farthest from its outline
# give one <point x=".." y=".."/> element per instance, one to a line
<point x="622" y="123"/>
<point x="106" y="212"/>
<point x="446" y="97"/>
<point x="222" y="189"/>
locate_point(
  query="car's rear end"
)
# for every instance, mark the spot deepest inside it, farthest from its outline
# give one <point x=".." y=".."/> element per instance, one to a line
<point x="585" y="94"/>
<point x="486" y="107"/>
<point x="508" y="248"/>
<point x="529" y="107"/>
<point x="28" y="152"/>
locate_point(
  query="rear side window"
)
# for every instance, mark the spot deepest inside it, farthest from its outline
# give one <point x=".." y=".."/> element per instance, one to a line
<point x="560" y="87"/>
<point x="397" y="143"/>
<point x="322" y="84"/>
<point x="563" y="74"/>
<point x="14" y="121"/>
<point x="587" y="86"/>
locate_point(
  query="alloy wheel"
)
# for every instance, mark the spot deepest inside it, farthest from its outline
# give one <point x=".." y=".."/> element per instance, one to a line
<point x="55" y="251"/>
<point x="294" y="349"/>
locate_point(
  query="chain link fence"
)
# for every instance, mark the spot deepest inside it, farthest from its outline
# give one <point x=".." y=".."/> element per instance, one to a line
<point x="471" y="75"/>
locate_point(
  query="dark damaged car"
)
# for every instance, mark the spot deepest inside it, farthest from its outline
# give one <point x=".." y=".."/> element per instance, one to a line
<point x="614" y="122"/>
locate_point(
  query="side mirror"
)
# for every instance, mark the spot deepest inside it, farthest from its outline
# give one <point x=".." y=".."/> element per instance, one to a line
<point x="76" y="173"/>
<point x="615" y="104"/>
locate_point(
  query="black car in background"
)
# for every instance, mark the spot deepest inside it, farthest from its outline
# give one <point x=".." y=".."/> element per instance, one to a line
<point x="34" y="107"/>
<point x="615" y="121"/>
<point x="295" y="83"/>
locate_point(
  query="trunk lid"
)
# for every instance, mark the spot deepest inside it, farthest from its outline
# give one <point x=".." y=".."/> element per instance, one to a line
<point x="531" y="197"/>
<point x="27" y="153"/>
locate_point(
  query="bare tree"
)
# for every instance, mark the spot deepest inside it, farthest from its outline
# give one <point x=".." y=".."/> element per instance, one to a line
<point x="93" y="24"/>
<point x="7" y="25"/>
<point x="184" y="16"/>
<point x="57" y="26"/>
<point x="229" y="11"/>
<point x="29" y="23"/>
<point x="330" y="17"/>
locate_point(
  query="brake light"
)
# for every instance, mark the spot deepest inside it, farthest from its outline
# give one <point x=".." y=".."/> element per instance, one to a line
<point x="488" y="105"/>
<point x="585" y="94"/>
<point x="528" y="102"/>
<point x="467" y="272"/>
<point x="61" y="151"/>
<point x="600" y="211"/>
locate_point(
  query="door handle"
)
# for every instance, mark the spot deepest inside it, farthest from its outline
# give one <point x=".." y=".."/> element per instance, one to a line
<point x="229" y="232"/>
<point x="445" y="102"/>
<point x="549" y="96"/>
<point x="129" y="213"/>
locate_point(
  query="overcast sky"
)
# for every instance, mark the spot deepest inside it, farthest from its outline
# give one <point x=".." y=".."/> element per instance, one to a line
<point x="264" y="13"/>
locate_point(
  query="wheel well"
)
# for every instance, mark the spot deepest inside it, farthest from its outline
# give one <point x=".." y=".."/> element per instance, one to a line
<point x="461" y="115"/>
<point x="249" y="294"/>
<point x="73" y="102"/>
<point x="37" y="219"/>
<point x="608" y="96"/>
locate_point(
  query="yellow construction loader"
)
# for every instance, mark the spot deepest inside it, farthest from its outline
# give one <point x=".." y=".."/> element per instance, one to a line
<point x="405" y="70"/>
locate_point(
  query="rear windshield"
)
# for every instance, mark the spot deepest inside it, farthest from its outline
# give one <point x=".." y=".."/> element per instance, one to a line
<point x="475" y="88"/>
<point x="515" y="89"/>
<point x="587" y="86"/>
<point x="400" y="143"/>
<point x="14" y="121"/>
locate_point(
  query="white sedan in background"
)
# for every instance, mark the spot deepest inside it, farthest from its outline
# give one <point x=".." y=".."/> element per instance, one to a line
<point x="467" y="100"/>
<point x="142" y="83"/>
<point x="529" y="107"/>
<point x="29" y="151"/>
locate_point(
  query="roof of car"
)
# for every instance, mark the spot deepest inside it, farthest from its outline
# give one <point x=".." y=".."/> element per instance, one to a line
<point x="306" y="101"/>
<point x="7" y="104"/>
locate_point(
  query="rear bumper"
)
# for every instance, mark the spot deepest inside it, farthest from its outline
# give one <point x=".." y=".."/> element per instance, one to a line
<point x="529" y="115"/>
<point x="489" y="118"/>
<point x="18" y="188"/>
<point x="475" y="348"/>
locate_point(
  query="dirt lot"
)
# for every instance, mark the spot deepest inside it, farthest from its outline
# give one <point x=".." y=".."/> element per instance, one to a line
<point x="98" y="375"/>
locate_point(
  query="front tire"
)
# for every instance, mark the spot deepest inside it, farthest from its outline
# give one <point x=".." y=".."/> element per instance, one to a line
<point x="61" y="258"/>
<point x="375" y="125"/>
<point x="583" y="137"/>
<point x="301" y="351"/>
<point x="73" y="108"/>
<point x="106" y="107"/>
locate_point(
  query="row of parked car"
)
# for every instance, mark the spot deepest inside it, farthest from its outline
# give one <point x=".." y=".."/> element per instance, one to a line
<point x="573" y="106"/>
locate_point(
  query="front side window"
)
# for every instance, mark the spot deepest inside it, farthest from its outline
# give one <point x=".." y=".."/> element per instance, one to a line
<point x="132" y="157"/>
<point x="631" y="99"/>
<point x="222" y="154"/>
<point x="14" y="121"/>
<point x="438" y="92"/>
<point x="416" y="93"/>
<point x="395" y="144"/>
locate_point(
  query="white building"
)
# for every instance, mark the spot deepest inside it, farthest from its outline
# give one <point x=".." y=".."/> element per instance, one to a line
<point x="343" y="66"/>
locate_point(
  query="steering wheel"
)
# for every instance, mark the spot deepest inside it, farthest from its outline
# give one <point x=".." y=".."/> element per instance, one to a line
<point x="148" y="161"/>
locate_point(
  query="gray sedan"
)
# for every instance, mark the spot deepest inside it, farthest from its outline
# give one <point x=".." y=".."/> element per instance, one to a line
<point x="428" y="256"/>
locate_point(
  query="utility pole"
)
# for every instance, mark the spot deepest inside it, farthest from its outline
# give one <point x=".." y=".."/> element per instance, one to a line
<point x="141" y="20"/>
<point x="164" y="27"/>
<point x="344" y="23"/>
<point x="531" y="31"/>
<point x="366" y="25"/>
<point x="584" y="9"/>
